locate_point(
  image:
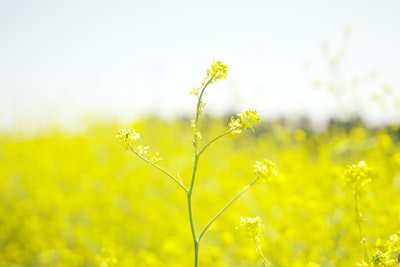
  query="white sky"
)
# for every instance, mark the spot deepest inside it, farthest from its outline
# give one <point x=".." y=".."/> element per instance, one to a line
<point x="121" y="59"/>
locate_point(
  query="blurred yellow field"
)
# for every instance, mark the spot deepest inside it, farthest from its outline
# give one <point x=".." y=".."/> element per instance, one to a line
<point x="115" y="153"/>
<point x="79" y="200"/>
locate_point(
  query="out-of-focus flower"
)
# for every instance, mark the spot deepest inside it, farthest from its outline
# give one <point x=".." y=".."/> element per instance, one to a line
<point x="127" y="136"/>
<point x="253" y="227"/>
<point x="394" y="242"/>
<point x="217" y="71"/>
<point x="246" y="120"/>
<point x="155" y="158"/>
<point x="357" y="176"/>
<point x="380" y="258"/>
<point x="107" y="258"/>
<point x="249" y="118"/>
<point x="142" y="150"/>
<point x="265" y="169"/>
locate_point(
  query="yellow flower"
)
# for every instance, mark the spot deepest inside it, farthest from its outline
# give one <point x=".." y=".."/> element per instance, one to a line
<point x="357" y="176"/>
<point x="235" y="126"/>
<point x="249" y="118"/>
<point x="254" y="229"/>
<point x="380" y="258"/>
<point x="142" y="150"/>
<point x="217" y="71"/>
<point x="264" y="169"/>
<point x="127" y="136"/>
<point x="246" y="120"/>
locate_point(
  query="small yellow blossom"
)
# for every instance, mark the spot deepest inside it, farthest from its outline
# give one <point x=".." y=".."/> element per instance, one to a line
<point x="127" y="136"/>
<point x="235" y="126"/>
<point x="142" y="150"/>
<point x="252" y="226"/>
<point x="249" y="118"/>
<point x="195" y="91"/>
<point x="357" y="176"/>
<point x="380" y="258"/>
<point x="387" y="253"/>
<point x="264" y="169"/>
<point x="195" y="129"/>
<point x="155" y="158"/>
<point x="246" y="120"/>
<point x="217" y="71"/>
<point x="394" y="242"/>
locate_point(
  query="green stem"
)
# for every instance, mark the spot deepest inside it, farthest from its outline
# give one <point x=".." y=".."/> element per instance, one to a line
<point x="190" y="210"/>
<point x="358" y="219"/>
<point x="264" y="259"/>
<point x="192" y="180"/>
<point x="221" y="211"/>
<point x="192" y="229"/>
<point x="213" y="140"/>
<point x="170" y="175"/>
<point x="189" y="191"/>
<point x="258" y="247"/>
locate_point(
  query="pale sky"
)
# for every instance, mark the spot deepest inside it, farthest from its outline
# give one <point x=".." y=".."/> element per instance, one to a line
<point x="60" y="60"/>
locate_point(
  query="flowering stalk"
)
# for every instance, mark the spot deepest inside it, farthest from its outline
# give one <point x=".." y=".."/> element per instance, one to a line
<point x="356" y="177"/>
<point x="262" y="171"/>
<point x="127" y="138"/>
<point x="245" y="120"/>
<point x="217" y="71"/>
<point x="254" y="229"/>
<point x="166" y="172"/>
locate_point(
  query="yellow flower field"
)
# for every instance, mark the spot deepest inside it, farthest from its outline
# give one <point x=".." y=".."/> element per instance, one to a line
<point x="78" y="199"/>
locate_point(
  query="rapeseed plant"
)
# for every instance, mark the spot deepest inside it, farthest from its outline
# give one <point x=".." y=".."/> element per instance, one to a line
<point x="386" y="253"/>
<point x="244" y="120"/>
<point x="357" y="176"/>
<point x="254" y="229"/>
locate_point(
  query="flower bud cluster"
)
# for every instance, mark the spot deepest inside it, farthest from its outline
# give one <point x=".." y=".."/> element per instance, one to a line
<point x="215" y="72"/>
<point x="386" y="253"/>
<point x="246" y="120"/>
<point x="265" y="169"/>
<point x="127" y="136"/>
<point x="357" y="176"/>
<point x="252" y="226"/>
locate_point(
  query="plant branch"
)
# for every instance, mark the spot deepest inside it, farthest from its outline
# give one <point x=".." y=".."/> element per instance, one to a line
<point x="170" y="175"/>
<point x="358" y="218"/>
<point x="221" y="211"/>
<point x="214" y="140"/>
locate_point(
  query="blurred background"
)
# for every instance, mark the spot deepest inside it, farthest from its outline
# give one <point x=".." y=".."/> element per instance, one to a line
<point x="63" y="60"/>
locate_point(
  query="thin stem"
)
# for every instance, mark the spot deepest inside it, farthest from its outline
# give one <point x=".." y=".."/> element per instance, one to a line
<point x="358" y="219"/>
<point x="170" y="175"/>
<point x="221" y="211"/>
<point x="196" y="158"/>
<point x="190" y="210"/>
<point x="213" y="140"/>
<point x="194" y="172"/>
<point x="257" y="244"/>
<point x="264" y="259"/>
<point x="192" y="229"/>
